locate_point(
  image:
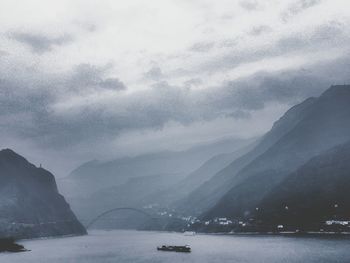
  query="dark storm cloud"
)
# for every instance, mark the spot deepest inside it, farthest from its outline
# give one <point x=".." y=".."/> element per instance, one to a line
<point x="87" y="106"/>
<point x="26" y="106"/>
<point x="255" y="93"/>
<point x="29" y="113"/>
<point x="287" y="87"/>
<point x="39" y="43"/>
<point x="112" y="84"/>
<point x="237" y="99"/>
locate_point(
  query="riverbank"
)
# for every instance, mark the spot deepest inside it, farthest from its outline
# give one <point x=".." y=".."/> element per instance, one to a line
<point x="292" y="234"/>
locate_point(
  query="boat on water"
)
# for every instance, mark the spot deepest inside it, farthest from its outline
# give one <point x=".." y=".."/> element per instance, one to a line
<point x="9" y="245"/>
<point x="186" y="248"/>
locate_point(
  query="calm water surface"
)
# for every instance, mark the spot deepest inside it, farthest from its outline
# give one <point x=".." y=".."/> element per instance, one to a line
<point x="140" y="246"/>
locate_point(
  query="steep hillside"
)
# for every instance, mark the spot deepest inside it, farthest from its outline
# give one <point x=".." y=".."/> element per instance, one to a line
<point x="316" y="192"/>
<point x="210" y="192"/>
<point x="30" y="205"/>
<point x="322" y="126"/>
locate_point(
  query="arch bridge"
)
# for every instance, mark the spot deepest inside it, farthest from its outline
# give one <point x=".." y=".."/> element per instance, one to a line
<point x="119" y="209"/>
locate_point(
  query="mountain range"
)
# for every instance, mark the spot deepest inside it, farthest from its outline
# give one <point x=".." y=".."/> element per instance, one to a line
<point x="319" y="125"/>
<point x="209" y="193"/>
<point x="295" y="176"/>
<point x="243" y="180"/>
<point x="160" y="178"/>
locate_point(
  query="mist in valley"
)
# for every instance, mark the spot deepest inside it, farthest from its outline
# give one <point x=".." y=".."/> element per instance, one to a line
<point x="172" y="120"/>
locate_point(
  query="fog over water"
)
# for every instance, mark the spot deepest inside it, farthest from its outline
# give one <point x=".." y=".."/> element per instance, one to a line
<point x="140" y="246"/>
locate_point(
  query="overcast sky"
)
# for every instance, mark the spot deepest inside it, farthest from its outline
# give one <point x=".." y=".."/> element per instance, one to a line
<point x="81" y="80"/>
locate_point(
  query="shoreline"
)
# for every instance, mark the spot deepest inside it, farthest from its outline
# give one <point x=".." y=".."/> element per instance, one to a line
<point x="291" y="234"/>
<point x="51" y="237"/>
<point x="287" y="234"/>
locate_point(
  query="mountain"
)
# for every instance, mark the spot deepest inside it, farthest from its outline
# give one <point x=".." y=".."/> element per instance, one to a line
<point x="210" y="168"/>
<point x="177" y="192"/>
<point x="316" y="192"/>
<point x="96" y="175"/>
<point x="209" y="193"/>
<point x="30" y="204"/>
<point x="134" y="193"/>
<point x="319" y="127"/>
<point x="137" y="181"/>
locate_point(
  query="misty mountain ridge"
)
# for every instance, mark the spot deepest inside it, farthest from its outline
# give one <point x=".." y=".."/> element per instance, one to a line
<point x="30" y="204"/>
<point x="159" y="178"/>
<point x="136" y="192"/>
<point x="210" y="192"/>
<point x="226" y="184"/>
<point x="201" y="152"/>
<point x="177" y="192"/>
<point x="96" y="175"/>
<point x="321" y="126"/>
<point x="158" y="190"/>
<point x="318" y="191"/>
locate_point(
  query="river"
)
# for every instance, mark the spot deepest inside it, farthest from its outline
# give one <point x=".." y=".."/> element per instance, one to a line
<point x="140" y="246"/>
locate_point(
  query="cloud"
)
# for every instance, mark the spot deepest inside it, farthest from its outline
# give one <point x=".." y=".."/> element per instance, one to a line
<point x="303" y="4"/>
<point x="195" y="82"/>
<point x="239" y="114"/>
<point x="3" y="53"/>
<point x="113" y="84"/>
<point x="202" y="46"/>
<point x="136" y="68"/>
<point x="319" y="38"/>
<point x="228" y="43"/>
<point x="258" y="30"/>
<point x="76" y="108"/>
<point x="297" y="7"/>
<point x="28" y="111"/>
<point x="40" y="43"/>
<point x="85" y="78"/>
<point x="155" y="73"/>
<point x="249" y="4"/>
